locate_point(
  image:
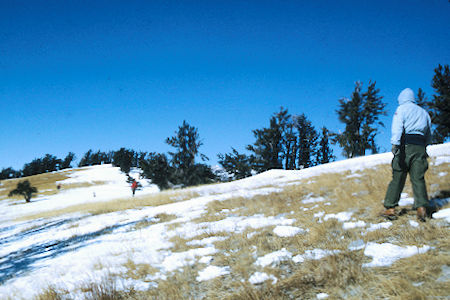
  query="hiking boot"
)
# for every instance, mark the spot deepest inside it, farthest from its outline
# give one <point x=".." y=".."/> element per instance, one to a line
<point x="389" y="214"/>
<point x="421" y="214"/>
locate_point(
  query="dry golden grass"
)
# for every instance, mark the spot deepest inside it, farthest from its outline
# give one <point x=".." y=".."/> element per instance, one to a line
<point x="139" y="271"/>
<point x="120" y="204"/>
<point x="340" y="275"/>
<point x="45" y="183"/>
<point x="52" y="293"/>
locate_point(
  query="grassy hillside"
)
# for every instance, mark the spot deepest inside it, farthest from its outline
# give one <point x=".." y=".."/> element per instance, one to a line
<point x="307" y="238"/>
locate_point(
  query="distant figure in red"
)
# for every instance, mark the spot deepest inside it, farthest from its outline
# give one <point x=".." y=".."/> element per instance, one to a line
<point x="134" y="186"/>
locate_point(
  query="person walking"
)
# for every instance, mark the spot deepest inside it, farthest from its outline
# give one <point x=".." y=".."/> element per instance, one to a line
<point x="134" y="186"/>
<point x="411" y="133"/>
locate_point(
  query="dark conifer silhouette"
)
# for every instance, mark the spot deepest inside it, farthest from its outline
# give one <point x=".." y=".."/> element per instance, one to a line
<point x="24" y="189"/>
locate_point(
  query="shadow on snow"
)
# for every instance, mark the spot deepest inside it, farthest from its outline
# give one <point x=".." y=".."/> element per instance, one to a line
<point x="19" y="262"/>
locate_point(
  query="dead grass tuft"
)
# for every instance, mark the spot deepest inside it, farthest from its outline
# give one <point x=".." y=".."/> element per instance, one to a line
<point x="51" y="293"/>
<point x="139" y="271"/>
<point x="105" y="290"/>
<point x="181" y="285"/>
<point x="159" y="218"/>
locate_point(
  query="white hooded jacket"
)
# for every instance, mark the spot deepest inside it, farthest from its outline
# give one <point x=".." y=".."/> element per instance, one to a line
<point x="409" y="118"/>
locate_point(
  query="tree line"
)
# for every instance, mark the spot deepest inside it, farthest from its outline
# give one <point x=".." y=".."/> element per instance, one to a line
<point x="289" y="142"/>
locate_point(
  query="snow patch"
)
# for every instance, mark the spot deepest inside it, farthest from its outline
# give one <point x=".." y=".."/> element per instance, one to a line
<point x="211" y="272"/>
<point x="406" y="201"/>
<point x="351" y="225"/>
<point x="443" y="214"/>
<point x="273" y="258"/>
<point x="319" y="214"/>
<point x="260" y="277"/>
<point x="441" y="160"/>
<point x="342" y="216"/>
<point x="386" y="254"/>
<point x="287" y="231"/>
<point x="377" y="226"/>
<point x="413" y="223"/>
<point x="313" y="255"/>
<point x="313" y="200"/>
<point x="207" y="241"/>
<point x="176" y="261"/>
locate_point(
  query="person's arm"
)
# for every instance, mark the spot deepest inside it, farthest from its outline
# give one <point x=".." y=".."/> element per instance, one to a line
<point x="428" y="132"/>
<point x="397" y="128"/>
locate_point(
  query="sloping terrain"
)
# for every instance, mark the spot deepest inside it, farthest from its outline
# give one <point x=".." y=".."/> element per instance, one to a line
<point x="312" y="233"/>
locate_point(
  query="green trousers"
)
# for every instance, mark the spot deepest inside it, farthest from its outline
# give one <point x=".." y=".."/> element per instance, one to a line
<point x="411" y="159"/>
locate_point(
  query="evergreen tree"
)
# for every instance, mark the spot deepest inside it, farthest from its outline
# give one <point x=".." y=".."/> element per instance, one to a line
<point x="373" y="107"/>
<point x="67" y="161"/>
<point x="325" y="153"/>
<point x="9" y="173"/>
<point x="50" y="163"/>
<point x="123" y="159"/>
<point x="187" y="142"/>
<point x="199" y="174"/>
<point x="86" y="159"/>
<point x="91" y="158"/>
<point x="24" y="189"/>
<point x="421" y="99"/>
<point x="360" y="115"/>
<point x="350" y="113"/>
<point x="139" y="157"/>
<point x="236" y="164"/>
<point x="290" y="142"/>
<point x="157" y="168"/>
<point x="440" y="105"/>
<point x="288" y="147"/>
<point x="306" y="142"/>
<point x="267" y="148"/>
<point x="31" y="168"/>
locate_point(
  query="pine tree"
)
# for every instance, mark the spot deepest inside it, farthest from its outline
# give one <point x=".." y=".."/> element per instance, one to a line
<point x="267" y="148"/>
<point x="236" y="164"/>
<point x="199" y="174"/>
<point x="86" y="159"/>
<point x="306" y="142"/>
<point x="50" y="163"/>
<point x="9" y="173"/>
<point x="187" y="142"/>
<point x="440" y="105"/>
<point x="123" y="158"/>
<point x="421" y="99"/>
<point x="373" y="107"/>
<point x="360" y="115"/>
<point x="157" y="168"/>
<point x="24" y="189"/>
<point x="290" y="146"/>
<point x="350" y="113"/>
<point x="139" y="159"/>
<point x="67" y="161"/>
<point x="325" y="153"/>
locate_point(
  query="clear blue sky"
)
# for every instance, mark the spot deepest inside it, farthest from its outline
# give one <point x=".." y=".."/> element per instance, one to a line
<point x="79" y="75"/>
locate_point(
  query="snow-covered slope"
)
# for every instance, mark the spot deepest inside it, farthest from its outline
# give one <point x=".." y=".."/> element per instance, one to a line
<point x="103" y="183"/>
<point x="65" y="251"/>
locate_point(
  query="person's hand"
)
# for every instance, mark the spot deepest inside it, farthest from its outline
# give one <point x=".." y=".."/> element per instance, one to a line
<point x="395" y="149"/>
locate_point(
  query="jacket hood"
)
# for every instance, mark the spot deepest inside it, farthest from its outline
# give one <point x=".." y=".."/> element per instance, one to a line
<point x="407" y="95"/>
